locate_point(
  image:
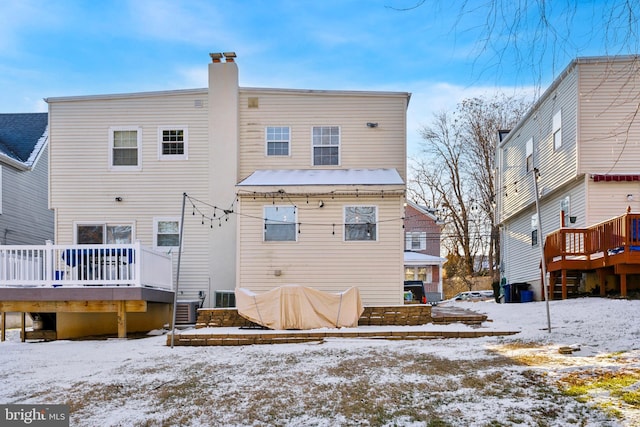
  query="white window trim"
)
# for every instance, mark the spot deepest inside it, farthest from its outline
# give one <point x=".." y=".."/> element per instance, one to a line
<point x="156" y="220"/>
<point x="266" y="142"/>
<point x="557" y="130"/>
<point x="339" y="145"/>
<point x="76" y="224"/>
<point x="422" y="235"/>
<point x="344" y="223"/>
<point x="295" y="223"/>
<point x="185" y="134"/>
<point x="529" y="154"/>
<point x="113" y="129"/>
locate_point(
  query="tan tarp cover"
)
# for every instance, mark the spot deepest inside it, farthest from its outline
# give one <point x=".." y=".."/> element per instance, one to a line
<point x="299" y="307"/>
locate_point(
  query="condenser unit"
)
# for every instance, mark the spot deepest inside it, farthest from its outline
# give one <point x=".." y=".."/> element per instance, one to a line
<point x="187" y="312"/>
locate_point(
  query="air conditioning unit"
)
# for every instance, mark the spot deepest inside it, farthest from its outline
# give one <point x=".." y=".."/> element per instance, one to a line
<point x="187" y="312"/>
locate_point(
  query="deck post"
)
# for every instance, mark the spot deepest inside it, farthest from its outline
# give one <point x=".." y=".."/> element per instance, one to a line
<point x="23" y="328"/>
<point x="564" y="284"/>
<point x="3" y="331"/>
<point x="122" y="319"/>
<point x="603" y="284"/>
<point x="552" y="284"/>
<point x="623" y="285"/>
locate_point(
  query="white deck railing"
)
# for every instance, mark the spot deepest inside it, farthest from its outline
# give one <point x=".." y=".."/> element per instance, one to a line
<point x="84" y="265"/>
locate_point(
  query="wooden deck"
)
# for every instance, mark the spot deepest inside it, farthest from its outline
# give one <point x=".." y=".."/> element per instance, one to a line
<point x="107" y="305"/>
<point x="610" y="251"/>
<point x="234" y="330"/>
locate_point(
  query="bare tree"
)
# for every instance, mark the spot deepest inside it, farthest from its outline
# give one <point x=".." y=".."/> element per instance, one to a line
<point x="455" y="172"/>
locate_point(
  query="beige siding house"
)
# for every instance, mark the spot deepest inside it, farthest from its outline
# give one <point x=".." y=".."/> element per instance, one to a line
<point x="581" y="138"/>
<point x="284" y="186"/>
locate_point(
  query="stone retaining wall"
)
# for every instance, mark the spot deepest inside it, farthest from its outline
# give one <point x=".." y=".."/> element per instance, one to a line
<point x="401" y="315"/>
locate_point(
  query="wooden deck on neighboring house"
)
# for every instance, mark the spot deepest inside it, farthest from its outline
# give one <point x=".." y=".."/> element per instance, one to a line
<point x="598" y="259"/>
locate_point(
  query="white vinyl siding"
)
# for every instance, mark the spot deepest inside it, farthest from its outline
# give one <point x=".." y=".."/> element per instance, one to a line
<point x="320" y="258"/>
<point x="81" y="126"/>
<point x="173" y="143"/>
<point x="361" y="147"/>
<point x="608" y="121"/>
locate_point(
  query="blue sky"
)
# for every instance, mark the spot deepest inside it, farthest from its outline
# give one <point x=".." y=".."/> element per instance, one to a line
<point x="435" y="51"/>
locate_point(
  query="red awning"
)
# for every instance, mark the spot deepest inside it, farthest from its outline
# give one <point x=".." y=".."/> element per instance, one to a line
<point x="615" y="178"/>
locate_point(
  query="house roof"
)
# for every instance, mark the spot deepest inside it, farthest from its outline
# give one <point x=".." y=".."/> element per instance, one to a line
<point x="22" y="137"/>
<point x="415" y="258"/>
<point x="279" y="177"/>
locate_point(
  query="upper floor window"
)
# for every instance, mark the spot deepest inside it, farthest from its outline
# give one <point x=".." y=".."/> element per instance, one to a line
<point x="557" y="130"/>
<point x="104" y="233"/>
<point x="360" y="223"/>
<point x="326" y="145"/>
<point x="278" y="140"/>
<point x="172" y="143"/>
<point x="280" y="223"/>
<point x="166" y="232"/>
<point x="529" y="155"/>
<point x="534" y="230"/>
<point x="416" y="240"/>
<point x="565" y="206"/>
<point x="125" y="148"/>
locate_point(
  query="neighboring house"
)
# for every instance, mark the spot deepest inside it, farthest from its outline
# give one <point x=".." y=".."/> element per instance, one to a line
<point x="25" y="217"/>
<point x="283" y="186"/>
<point x="581" y="136"/>
<point x="422" y="259"/>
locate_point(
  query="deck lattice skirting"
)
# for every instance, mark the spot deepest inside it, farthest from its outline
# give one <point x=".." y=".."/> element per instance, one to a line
<point x="372" y="316"/>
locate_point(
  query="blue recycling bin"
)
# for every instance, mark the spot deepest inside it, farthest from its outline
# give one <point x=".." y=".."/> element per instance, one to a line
<point x="506" y="292"/>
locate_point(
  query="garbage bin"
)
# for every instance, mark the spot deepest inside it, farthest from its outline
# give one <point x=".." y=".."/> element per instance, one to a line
<point x="506" y="292"/>
<point x="526" y="296"/>
<point x="517" y="289"/>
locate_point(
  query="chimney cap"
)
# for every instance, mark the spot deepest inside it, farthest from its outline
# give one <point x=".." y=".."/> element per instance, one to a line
<point x="229" y="56"/>
<point x="215" y="57"/>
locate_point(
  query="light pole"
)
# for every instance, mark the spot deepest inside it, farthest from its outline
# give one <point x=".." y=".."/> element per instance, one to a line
<point x="535" y="175"/>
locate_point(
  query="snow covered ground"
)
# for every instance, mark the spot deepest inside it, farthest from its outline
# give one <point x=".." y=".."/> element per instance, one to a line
<point x="493" y="381"/>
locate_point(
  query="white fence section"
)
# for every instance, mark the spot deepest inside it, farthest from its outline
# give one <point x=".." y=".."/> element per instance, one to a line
<point x="84" y="265"/>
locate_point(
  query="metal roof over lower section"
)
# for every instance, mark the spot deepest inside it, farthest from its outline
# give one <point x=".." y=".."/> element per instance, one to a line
<point x="297" y="177"/>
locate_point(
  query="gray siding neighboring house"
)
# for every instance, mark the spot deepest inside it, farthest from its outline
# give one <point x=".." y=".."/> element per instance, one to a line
<point x="25" y="217"/>
<point x="581" y="136"/>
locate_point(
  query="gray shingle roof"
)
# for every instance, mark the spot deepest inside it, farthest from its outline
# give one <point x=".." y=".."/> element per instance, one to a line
<point x="20" y="134"/>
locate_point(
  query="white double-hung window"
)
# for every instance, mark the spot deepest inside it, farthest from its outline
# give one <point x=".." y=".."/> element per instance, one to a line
<point x="557" y="130"/>
<point x="326" y="145"/>
<point x="278" y="140"/>
<point x="529" y="154"/>
<point x="416" y="240"/>
<point x="166" y="232"/>
<point x="279" y="223"/>
<point x="125" y="148"/>
<point x="360" y="223"/>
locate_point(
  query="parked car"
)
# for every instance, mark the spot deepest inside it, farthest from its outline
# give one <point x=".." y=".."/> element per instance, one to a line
<point x="473" y="296"/>
<point x="416" y="293"/>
